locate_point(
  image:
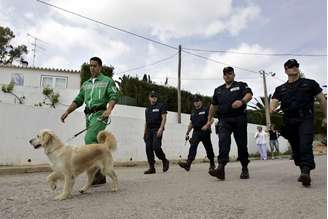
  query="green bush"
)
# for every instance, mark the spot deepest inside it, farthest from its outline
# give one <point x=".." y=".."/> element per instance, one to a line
<point x="139" y="89"/>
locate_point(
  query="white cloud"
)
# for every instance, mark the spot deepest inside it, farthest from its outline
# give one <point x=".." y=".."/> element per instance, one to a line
<point x="214" y="28"/>
<point x="68" y="41"/>
<point x="166" y="19"/>
<point x="5" y="15"/>
<point x="242" y="17"/>
<point x="72" y="40"/>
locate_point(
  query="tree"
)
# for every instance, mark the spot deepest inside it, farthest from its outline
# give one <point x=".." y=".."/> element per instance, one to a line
<point x="257" y="115"/>
<point x="144" y="78"/>
<point x="9" y="53"/>
<point x="139" y="90"/>
<point x="9" y="88"/>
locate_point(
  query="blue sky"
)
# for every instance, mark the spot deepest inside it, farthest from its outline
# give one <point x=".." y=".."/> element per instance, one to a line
<point x="280" y="26"/>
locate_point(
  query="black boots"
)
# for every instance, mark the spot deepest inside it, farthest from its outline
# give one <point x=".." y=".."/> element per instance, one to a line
<point x="185" y="165"/>
<point x="218" y="172"/>
<point x="166" y="165"/>
<point x="99" y="179"/>
<point x="305" y="176"/>
<point x="244" y="173"/>
<point x="212" y="165"/>
<point x="151" y="170"/>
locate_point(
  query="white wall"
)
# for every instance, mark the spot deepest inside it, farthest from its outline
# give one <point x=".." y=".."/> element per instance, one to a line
<point x="20" y="123"/>
<point x="32" y="76"/>
<point x="33" y="95"/>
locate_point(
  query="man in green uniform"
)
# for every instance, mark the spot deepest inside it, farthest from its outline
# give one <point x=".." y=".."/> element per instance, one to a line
<point x="100" y="95"/>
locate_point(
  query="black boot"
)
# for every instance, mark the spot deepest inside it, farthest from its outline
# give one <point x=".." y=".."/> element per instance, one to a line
<point x="185" y="165"/>
<point x="244" y="173"/>
<point x="212" y="165"/>
<point x="99" y="179"/>
<point x="218" y="172"/>
<point x="305" y="176"/>
<point x="166" y="165"/>
<point x="151" y="170"/>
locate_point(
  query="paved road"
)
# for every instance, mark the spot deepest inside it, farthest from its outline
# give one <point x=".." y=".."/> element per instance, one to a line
<point x="272" y="192"/>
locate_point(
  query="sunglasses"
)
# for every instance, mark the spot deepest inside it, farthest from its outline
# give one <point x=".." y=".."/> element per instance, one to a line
<point x="153" y="96"/>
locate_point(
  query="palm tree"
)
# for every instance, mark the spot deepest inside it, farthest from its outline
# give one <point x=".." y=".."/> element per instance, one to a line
<point x="257" y="114"/>
<point x="259" y="105"/>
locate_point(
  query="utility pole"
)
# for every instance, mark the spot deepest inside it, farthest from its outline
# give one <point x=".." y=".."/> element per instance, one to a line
<point x="266" y="99"/>
<point x="179" y="86"/>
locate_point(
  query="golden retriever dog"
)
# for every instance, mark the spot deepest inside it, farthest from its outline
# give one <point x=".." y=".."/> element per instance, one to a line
<point x="67" y="162"/>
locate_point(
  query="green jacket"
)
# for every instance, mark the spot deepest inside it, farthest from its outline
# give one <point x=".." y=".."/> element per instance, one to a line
<point x="98" y="93"/>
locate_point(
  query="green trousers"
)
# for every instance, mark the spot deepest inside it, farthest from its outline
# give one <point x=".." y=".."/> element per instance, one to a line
<point x="94" y="126"/>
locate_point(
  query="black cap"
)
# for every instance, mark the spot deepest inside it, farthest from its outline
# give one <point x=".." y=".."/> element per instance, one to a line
<point x="197" y="98"/>
<point x="153" y="94"/>
<point x="291" y="63"/>
<point x="228" y="69"/>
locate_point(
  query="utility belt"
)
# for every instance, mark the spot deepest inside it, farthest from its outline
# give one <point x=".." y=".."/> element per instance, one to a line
<point x="95" y="109"/>
<point x="199" y="129"/>
<point x="230" y="115"/>
<point x="299" y="113"/>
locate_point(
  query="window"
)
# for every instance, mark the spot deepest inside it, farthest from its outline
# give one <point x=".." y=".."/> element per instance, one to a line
<point x="18" y="79"/>
<point x="53" y="81"/>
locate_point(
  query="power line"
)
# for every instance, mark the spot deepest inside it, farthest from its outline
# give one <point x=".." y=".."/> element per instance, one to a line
<point x="145" y="66"/>
<point x="108" y="25"/>
<point x="219" y="62"/>
<point x="223" y="63"/>
<point x="172" y="47"/>
<point x="256" y="54"/>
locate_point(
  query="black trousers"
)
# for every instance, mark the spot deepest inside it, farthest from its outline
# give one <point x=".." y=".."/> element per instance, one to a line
<point x="299" y="132"/>
<point x="238" y="126"/>
<point x="153" y="144"/>
<point x="205" y="138"/>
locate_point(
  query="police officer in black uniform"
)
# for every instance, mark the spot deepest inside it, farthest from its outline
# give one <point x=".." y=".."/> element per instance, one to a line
<point x="296" y="97"/>
<point x="230" y="100"/>
<point x="154" y="127"/>
<point x="201" y="133"/>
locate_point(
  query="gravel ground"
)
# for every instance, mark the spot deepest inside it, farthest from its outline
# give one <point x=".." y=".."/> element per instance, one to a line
<point x="271" y="192"/>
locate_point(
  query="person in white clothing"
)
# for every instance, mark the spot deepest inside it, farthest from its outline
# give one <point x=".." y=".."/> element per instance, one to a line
<point x="260" y="137"/>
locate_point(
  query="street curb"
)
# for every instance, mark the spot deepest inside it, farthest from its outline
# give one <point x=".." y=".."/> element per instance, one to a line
<point x="19" y="169"/>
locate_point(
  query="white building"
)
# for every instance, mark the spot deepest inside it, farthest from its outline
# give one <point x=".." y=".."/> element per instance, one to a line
<point x="40" y="77"/>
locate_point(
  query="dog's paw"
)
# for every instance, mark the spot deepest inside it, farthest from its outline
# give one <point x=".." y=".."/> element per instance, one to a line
<point x="82" y="191"/>
<point x="114" y="189"/>
<point x="53" y="187"/>
<point x="62" y="197"/>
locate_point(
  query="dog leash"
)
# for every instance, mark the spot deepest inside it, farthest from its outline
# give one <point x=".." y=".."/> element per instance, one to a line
<point x="80" y="132"/>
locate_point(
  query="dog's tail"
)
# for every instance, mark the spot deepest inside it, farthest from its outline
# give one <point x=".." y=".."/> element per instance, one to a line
<point x="107" y="138"/>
